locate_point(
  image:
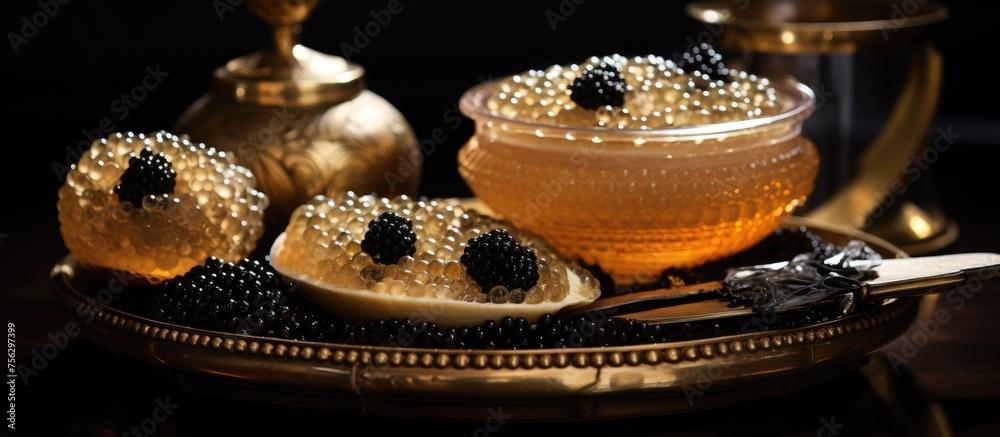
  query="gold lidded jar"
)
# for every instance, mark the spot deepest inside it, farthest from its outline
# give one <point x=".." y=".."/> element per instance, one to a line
<point x="303" y="121"/>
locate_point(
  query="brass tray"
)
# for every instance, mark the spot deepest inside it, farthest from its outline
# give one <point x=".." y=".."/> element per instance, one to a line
<point x="537" y="384"/>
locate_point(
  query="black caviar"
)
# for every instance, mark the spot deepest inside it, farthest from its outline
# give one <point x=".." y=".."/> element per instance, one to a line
<point x="496" y="258"/>
<point x="389" y="238"/>
<point x="146" y="174"/>
<point x="599" y="86"/>
<point x="247" y="297"/>
<point x="704" y="59"/>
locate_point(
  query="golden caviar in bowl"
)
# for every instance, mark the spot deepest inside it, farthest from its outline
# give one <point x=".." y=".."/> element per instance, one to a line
<point x="641" y="164"/>
<point x="368" y="257"/>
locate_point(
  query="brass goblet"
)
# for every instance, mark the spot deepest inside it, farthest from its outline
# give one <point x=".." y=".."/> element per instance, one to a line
<point x="838" y="48"/>
<point x="303" y="121"/>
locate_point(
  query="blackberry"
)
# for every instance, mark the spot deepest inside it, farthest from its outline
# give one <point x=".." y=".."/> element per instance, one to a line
<point x="705" y="60"/>
<point x="495" y="258"/>
<point x="389" y="238"/>
<point x="241" y="298"/>
<point x="599" y="86"/>
<point x="146" y="174"/>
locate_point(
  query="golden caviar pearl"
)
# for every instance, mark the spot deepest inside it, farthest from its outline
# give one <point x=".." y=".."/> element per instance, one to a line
<point x="659" y="94"/>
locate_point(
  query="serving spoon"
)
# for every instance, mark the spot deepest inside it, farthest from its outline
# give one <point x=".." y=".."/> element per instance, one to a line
<point x="838" y="280"/>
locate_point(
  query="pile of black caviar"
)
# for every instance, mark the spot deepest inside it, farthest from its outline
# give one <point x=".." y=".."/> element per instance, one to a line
<point x="252" y="299"/>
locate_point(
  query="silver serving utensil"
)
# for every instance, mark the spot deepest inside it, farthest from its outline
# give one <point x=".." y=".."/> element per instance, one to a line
<point x="896" y="278"/>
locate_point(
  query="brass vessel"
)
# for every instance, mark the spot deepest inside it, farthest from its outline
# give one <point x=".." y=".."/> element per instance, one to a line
<point x="874" y="182"/>
<point x="303" y="121"/>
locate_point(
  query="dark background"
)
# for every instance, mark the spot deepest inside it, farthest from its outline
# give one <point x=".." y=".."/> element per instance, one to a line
<point x="64" y="80"/>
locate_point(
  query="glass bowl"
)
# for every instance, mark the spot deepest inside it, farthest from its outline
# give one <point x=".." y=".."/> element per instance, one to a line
<point x="638" y="202"/>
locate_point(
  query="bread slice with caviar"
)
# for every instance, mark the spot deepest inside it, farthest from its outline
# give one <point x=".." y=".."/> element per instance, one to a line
<point x="368" y="258"/>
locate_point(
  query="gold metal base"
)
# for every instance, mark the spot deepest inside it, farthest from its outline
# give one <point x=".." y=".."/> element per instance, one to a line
<point x="914" y="229"/>
<point x="880" y="199"/>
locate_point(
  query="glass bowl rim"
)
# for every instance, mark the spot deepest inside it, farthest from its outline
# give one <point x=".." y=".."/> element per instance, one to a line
<point x="800" y="102"/>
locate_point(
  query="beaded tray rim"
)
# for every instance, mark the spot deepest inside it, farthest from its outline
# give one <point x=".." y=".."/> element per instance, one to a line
<point x="398" y="382"/>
